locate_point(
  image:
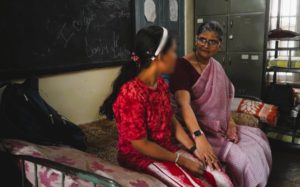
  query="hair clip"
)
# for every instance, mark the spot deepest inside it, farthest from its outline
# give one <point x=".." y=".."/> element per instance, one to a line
<point x="135" y="58"/>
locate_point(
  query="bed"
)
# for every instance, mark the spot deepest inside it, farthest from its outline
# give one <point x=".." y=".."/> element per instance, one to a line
<point x="53" y="166"/>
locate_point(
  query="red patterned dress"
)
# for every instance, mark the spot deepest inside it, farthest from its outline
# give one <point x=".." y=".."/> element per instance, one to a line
<point x="142" y="112"/>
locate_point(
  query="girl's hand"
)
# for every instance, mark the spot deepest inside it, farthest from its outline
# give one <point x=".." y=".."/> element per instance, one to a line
<point x="232" y="132"/>
<point x="197" y="168"/>
<point x="205" y="153"/>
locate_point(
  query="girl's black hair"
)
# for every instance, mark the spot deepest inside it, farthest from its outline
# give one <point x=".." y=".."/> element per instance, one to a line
<point x="211" y="26"/>
<point x="146" y="42"/>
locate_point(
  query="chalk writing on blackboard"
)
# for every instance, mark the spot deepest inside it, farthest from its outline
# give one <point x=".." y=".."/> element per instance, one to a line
<point x="50" y="33"/>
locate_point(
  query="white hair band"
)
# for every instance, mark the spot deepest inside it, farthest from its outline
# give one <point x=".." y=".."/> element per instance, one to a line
<point x="162" y="43"/>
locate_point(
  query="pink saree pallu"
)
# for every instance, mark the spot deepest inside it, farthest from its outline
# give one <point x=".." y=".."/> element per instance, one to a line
<point x="249" y="161"/>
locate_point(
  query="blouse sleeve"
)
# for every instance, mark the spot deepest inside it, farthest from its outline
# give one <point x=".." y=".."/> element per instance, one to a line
<point x="131" y="116"/>
<point x="180" y="79"/>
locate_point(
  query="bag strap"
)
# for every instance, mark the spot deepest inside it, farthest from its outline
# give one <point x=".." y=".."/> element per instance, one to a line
<point x="31" y="83"/>
<point x="4" y="83"/>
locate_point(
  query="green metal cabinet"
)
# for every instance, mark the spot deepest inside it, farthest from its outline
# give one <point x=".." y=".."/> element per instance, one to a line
<point x="247" y="6"/>
<point x="211" y="7"/>
<point x="245" y="71"/>
<point x="244" y="23"/>
<point x="246" y="32"/>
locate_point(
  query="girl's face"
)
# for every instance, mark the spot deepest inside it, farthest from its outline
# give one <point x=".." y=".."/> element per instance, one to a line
<point x="207" y="44"/>
<point x="167" y="61"/>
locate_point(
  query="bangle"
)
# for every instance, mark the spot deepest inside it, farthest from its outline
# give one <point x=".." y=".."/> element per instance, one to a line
<point x="192" y="149"/>
<point x="177" y="157"/>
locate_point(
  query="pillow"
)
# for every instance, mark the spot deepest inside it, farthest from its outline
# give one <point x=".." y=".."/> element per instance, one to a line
<point x="266" y="113"/>
<point x="245" y="119"/>
<point x="102" y="139"/>
<point x="71" y="157"/>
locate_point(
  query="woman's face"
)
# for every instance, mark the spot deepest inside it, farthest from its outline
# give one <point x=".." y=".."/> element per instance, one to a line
<point x="167" y="62"/>
<point x="207" y="44"/>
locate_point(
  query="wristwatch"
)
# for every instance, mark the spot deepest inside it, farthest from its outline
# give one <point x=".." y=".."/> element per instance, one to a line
<point x="197" y="134"/>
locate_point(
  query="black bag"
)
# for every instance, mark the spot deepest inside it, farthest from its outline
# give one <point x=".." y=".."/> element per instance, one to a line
<point x="25" y="115"/>
<point x="281" y="95"/>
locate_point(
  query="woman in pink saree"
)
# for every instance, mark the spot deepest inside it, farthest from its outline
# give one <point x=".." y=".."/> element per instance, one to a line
<point x="203" y="95"/>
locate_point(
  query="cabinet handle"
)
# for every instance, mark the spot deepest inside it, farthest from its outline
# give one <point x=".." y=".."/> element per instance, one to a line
<point x="231" y="23"/>
<point x="229" y="61"/>
<point x="223" y="60"/>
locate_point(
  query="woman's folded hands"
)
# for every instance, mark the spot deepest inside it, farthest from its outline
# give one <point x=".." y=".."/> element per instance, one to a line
<point x="232" y="134"/>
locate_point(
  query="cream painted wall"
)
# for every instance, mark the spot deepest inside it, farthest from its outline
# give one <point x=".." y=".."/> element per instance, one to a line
<point x="78" y="95"/>
<point x="189" y="25"/>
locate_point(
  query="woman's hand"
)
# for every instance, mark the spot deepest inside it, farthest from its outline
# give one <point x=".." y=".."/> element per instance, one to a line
<point x="205" y="153"/>
<point x="232" y="134"/>
<point x="196" y="168"/>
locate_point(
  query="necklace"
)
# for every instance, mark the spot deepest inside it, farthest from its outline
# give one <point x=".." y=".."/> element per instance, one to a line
<point x="198" y="62"/>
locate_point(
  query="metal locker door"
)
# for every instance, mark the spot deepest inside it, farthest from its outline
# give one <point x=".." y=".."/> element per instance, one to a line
<point x="211" y="7"/>
<point x="246" y="6"/>
<point x="173" y="19"/>
<point x="221" y="58"/>
<point x="245" y="71"/>
<point x="246" y="32"/>
<point x="221" y="19"/>
<point x="141" y="19"/>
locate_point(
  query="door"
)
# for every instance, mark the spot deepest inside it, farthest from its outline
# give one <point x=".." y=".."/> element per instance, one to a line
<point x="167" y="13"/>
<point x="245" y="71"/>
<point x="247" y="6"/>
<point x="246" y="32"/>
<point x="221" y="19"/>
<point x="211" y="7"/>
<point x="147" y="12"/>
<point x="173" y="19"/>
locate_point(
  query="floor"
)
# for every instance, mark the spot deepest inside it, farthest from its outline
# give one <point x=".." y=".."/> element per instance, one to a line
<point x="286" y="168"/>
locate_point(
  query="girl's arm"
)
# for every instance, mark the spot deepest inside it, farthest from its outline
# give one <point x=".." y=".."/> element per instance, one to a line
<point x="204" y="150"/>
<point x="181" y="135"/>
<point x="183" y="100"/>
<point x="155" y="151"/>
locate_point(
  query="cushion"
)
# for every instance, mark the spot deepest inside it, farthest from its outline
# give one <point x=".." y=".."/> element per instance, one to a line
<point x="102" y="139"/>
<point x="78" y="159"/>
<point x="266" y="113"/>
<point x="245" y="119"/>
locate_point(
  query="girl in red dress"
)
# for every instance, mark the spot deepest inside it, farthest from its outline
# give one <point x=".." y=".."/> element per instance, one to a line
<point x="140" y="103"/>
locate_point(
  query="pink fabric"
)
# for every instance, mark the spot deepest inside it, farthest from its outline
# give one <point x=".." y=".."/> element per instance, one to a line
<point x="175" y="176"/>
<point x="48" y="177"/>
<point x="142" y="112"/>
<point x="249" y="161"/>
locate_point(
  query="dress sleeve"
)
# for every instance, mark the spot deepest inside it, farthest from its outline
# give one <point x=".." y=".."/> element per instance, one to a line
<point x="180" y="79"/>
<point x="131" y="116"/>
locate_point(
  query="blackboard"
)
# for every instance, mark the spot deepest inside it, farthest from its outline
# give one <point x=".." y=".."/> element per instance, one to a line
<point x="49" y="36"/>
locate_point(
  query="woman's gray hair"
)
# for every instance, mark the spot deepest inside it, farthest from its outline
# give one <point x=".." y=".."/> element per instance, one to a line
<point x="211" y="26"/>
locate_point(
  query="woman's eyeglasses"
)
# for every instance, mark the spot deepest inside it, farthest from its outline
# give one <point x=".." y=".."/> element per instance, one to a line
<point x="204" y="41"/>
